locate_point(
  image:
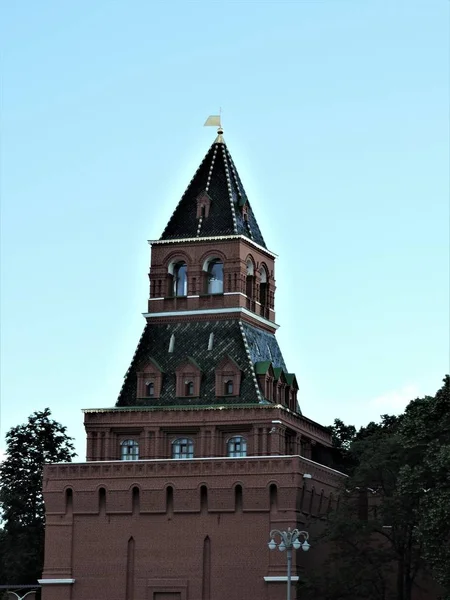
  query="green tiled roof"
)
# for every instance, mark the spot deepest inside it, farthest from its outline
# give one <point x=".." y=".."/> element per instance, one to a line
<point x="262" y="367"/>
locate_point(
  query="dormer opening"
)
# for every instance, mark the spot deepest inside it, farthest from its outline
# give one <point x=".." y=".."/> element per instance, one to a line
<point x="203" y="205"/>
<point x="228" y="387"/>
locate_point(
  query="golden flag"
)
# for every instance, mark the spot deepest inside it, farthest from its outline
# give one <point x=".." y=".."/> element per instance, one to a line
<point x="213" y="121"/>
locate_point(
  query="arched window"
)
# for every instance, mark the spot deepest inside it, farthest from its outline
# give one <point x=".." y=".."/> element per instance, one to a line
<point x="249" y="286"/>
<point x="238" y="498"/>
<point x="129" y="450"/>
<point x="69" y="501"/>
<point x="135" y="502"/>
<point x="229" y="389"/>
<point x="204" y="499"/>
<point x="263" y="286"/>
<point x="273" y="496"/>
<point x="102" y="500"/>
<point x="189" y="388"/>
<point x="169" y="500"/>
<point x="150" y="389"/>
<point x="180" y="279"/>
<point x="183" y="448"/>
<point x="237" y="446"/>
<point x="215" y="277"/>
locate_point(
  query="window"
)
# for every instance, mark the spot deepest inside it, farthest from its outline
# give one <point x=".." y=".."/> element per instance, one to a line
<point x="150" y="389"/>
<point x="129" y="450"/>
<point x="249" y="285"/>
<point x="180" y="279"/>
<point x="237" y="446"/>
<point x="263" y="287"/>
<point x="183" y="448"/>
<point x="189" y="388"/>
<point x="215" y="277"/>
<point x="229" y="388"/>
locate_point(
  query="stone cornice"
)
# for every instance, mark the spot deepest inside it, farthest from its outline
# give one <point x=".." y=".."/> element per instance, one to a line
<point x="214" y="238"/>
<point x="213" y="312"/>
<point x="226" y="466"/>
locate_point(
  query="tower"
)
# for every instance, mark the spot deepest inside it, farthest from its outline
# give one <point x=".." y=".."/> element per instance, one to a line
<point x="206" y="446"/>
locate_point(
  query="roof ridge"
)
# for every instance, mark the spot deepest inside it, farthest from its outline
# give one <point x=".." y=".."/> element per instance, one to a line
<point x="230" y="193"/>
<point x="187" y="189"/>
<point x="247" y="350"/>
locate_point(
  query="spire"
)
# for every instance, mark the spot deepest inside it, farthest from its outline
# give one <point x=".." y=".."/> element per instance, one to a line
<point x="219" y="139"/>
<point x="215" y="202"/>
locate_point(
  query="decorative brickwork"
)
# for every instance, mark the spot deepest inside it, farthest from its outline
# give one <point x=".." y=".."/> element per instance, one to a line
<point x="206" y="450"/>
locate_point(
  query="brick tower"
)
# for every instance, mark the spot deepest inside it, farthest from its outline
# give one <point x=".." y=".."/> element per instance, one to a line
<point x="206" y="449"/>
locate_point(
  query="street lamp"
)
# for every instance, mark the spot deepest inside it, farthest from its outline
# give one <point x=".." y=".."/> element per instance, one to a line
<point x="288" y="540"/>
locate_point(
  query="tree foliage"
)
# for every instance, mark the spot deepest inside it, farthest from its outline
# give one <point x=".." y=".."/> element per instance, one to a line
<point x="29" y="446"/>
<point x="392" y="529"/>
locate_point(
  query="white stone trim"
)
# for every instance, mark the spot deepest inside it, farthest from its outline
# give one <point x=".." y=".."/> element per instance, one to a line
<point x="152" y="299"/>
<point x="234" y="294"/>
<point x="283" y="578"/>
<point x="211" y="458"/>
<point x="211" y="239"/>
<point x="211" y="311"/>
<point x="55" y="581"/>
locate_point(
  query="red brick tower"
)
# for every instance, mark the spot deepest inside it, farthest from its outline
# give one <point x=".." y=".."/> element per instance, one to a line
<point x="206" y="448"/>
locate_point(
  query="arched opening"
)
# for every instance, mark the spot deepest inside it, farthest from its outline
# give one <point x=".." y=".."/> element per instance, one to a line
<point x="189" y="388"/>
<point x="237" y="446"/>
<point x="215" y="277"/>
<point x="206" y="576"/>
<point x="238" y="498"/>
<point x="135" y="501"/>
<point x="180" y="279"/>
<point x="273" y="494"/>
<point x="69" y="501"/>
<point x="263" y="291"/>
<point x="169" y="500"/>
<point x="250" y="285"/>
<point x="102" y="501"/>
<point x="203" y="499"/>
<point x="183" y="448"/>
<point x="129" y="450"/>
<point x="129" y="591"/>
<point x="149" y="389"/>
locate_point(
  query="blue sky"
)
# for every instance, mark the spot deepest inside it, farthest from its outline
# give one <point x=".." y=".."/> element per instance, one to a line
<point x="336" y="115"/>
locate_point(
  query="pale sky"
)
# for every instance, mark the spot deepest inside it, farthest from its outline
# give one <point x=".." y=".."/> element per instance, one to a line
<point x="336" y="113"/>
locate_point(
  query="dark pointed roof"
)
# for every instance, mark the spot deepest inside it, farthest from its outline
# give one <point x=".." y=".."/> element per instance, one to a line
<point x="216" y="176"/>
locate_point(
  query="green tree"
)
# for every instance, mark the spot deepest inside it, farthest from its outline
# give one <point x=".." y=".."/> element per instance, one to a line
<point x="394" y="517"/>
<point x="342" y="436"/>
<point x="41" y="440"/>
<point x="425" y="434"/>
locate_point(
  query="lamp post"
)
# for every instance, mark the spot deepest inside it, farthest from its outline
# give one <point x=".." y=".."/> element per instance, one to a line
<point x="288" y="540"/>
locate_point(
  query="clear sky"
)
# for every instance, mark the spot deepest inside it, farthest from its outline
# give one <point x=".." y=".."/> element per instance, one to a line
<point x="336" y="113"/>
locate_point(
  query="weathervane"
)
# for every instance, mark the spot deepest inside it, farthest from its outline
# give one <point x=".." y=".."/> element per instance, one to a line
<point x="216" y="121"/>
